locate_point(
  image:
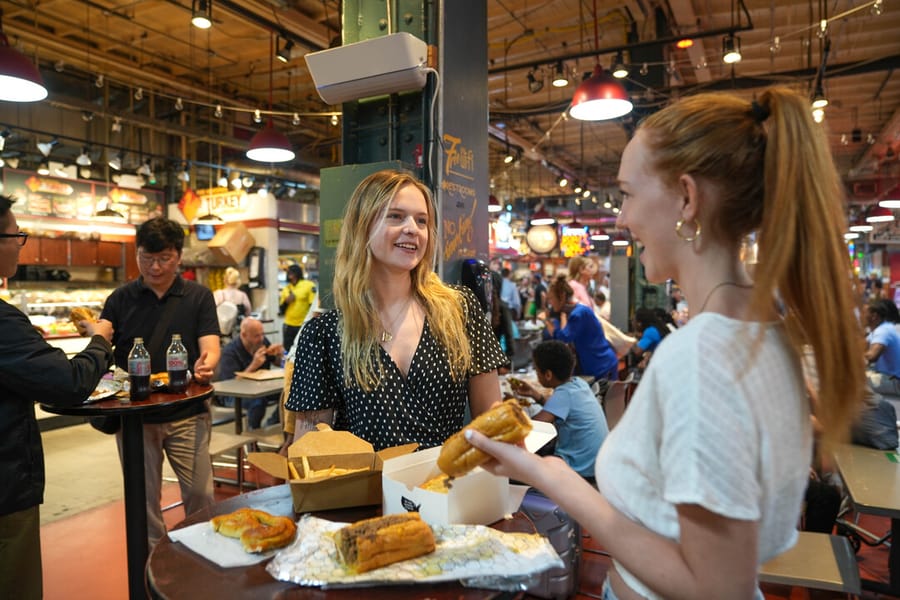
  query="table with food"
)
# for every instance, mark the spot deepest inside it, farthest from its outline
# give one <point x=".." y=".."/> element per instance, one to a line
<point x="111" y="398"/>
<point x="263" y="543"/>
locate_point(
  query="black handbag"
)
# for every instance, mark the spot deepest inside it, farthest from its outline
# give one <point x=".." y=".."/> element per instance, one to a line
<point x="111" y="424"/>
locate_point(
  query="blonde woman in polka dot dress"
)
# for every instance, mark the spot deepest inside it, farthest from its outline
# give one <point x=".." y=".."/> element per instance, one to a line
<point x="403" y="354"/>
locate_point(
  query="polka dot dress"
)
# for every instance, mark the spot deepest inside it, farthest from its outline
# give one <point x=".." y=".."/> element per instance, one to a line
<point x="427" y="407"/>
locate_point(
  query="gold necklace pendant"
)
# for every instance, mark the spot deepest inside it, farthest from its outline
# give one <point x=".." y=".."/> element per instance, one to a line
<point x="386" y="337"/>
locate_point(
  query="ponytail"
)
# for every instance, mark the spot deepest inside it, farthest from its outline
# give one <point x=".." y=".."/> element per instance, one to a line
<point x="803" y="257"/>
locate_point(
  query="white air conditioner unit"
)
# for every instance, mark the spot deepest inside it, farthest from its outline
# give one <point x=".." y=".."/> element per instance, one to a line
<point x="383" y="65"/>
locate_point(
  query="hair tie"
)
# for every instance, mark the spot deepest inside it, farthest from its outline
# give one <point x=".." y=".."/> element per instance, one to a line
<point x="760" y="113"/>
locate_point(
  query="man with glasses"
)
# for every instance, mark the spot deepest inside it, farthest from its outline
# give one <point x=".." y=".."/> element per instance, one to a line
<point x="32" y="371"/>
<point x="160" y="297"/>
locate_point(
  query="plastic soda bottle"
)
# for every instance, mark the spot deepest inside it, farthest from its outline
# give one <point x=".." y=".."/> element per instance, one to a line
<point x="139" y="370"/>
<point x="176" y="365"/>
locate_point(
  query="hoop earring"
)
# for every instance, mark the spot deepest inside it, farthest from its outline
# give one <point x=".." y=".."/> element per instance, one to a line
<point x="685" y="238"/>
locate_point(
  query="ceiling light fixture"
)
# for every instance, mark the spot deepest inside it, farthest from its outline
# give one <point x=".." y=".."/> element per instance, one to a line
<point x="891" y="198"/>
<point x="184" y="175"/>
<point x="509" y="154"/>
<point x="270" y="145"/>
<point x="43" y="168"/>
<point x="3" y="135"/>
<point x="209" y="218"/>
<point x="139" y="94"/>
<point x="684" y="44"/>
<point x="563" y="181"/>
<point x="731" y="49"/>
<point x="819" y="99"/>
<point x="598" y="235"/>
<point x="534" y="84"/>
<point x="860" y="225"/>
<point x="494" y="205"/>
<point x="334" y="120"/>
<point x="47" y="147"/>
<point x="108" y="213"/>
<point x="116" y="126"/>
<point x="879" y="214"/>
<point x="619" y="71"/>
<point x="620" y="240"/>
<point x="541" y="217"/>
<point x="116" y="162"/>
<point x="20" y="80"/>
<point x="284" y="54"/>
<point x="145" y="170"/>
<point x="559" y="77"/>
<point x="201" y="14"/>
<point x="83" y="160"/>
<point x="599" y="97"/>
<point x="295" y="119"/>
<point x="818" y="114"/>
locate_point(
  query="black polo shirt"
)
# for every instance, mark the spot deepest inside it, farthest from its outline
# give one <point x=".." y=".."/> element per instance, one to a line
<point x="135" y="311"/>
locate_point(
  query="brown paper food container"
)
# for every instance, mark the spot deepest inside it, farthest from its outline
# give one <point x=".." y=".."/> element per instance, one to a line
<point x="318" y="451"/>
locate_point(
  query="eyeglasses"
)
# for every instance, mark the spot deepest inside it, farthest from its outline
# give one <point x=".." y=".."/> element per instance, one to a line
<point x="161" y="261"/>
<point x="21" y="237"/>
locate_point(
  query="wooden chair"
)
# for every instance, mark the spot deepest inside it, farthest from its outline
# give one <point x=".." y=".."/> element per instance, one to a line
<point x="616" y="400"/>
<point x="818" y="560"/>
<point x="220" y="443"/>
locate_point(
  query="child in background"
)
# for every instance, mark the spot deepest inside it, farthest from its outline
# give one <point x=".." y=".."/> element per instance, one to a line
<point x="571" y="408"/>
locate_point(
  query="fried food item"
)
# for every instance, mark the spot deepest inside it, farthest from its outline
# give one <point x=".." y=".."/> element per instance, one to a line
<point x="439" y="484"/>
<point x="334" y="471"/>
<point x="79" y="314"/>
<point x="505" y="422"/>
<point x="159" y="378"/>
<point x="258" y="530"/>
<point x="380" y="541"/>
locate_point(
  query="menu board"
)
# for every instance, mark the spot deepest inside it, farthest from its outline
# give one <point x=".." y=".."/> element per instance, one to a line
<point x="46" y="196"/>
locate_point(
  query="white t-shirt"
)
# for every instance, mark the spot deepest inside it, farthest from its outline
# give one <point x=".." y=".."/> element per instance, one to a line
<point x="720" y="421"/>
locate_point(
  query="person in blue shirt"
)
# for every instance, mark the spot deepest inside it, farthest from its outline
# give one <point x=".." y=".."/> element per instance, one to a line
<point x="883" y="351"/>
<point x="578" y="326"/>
<point x="652" y="329"/>
<point x="572" y="407"/>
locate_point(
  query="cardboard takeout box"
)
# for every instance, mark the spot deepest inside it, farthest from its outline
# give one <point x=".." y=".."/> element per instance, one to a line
<point x="321" y="450"/>
<point x="477" y="498"/>
<point x="231" y="243"/>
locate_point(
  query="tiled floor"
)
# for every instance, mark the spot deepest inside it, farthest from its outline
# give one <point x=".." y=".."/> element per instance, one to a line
<point x="83" y="534"/>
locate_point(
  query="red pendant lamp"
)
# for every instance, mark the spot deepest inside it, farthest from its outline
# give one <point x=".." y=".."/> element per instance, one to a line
<point x="601" y="96"/>
<point x="20" y="81"/>
<point x="270" y="145"/>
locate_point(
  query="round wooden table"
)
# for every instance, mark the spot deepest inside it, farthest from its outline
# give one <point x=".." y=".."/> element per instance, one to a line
<point x="175" y="572"/>
<point x="132" y="414"/>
